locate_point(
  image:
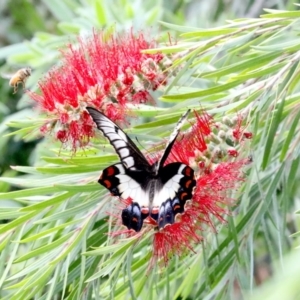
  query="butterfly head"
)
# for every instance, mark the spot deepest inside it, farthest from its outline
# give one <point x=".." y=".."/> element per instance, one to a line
<point x="155" y="168"/>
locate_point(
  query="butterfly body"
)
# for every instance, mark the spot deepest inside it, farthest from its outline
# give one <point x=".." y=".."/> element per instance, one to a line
<point x="158" y="191"/>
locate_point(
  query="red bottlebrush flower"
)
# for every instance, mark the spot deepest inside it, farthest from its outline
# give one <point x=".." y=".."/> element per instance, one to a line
<point x="208" y="200"/>
<point x="188" y="145"/>
<point x="233" y="152"/>
<point x="105" y="72"/>
<point x="248" y="135"/>
<point x="207" y="149"/>
<point x="61" y="135"/>
<point x="208" y="143"/>
<point x="239" y="131"/>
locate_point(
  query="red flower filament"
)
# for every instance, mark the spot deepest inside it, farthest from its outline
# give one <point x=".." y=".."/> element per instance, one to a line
<point x="105" y="72"/>
<point x="217" y="173"/>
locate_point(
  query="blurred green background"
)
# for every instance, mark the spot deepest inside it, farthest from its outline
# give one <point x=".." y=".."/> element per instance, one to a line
<point x="31" y="32"/>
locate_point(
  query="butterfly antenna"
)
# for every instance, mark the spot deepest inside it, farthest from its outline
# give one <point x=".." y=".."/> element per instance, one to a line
<point x="144" y="149"/>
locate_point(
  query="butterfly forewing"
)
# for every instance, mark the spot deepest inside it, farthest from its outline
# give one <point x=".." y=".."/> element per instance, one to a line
<point x="172" y="140"/>
<point x="132" y="217"/>
<point x="130" y="156"/>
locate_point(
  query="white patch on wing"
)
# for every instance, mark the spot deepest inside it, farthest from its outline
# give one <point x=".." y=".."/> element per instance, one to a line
<point x="121" y="169"/>
<point x="114" y="136"/>
<point x="123" y="178"/>
<point x="108" y="130"/>
<point x="181" y="169"/>
<point x="122" y="135"/>
<point x="133" y="193"/>
<point x="169" y="189"/>
<point x="173" y="183"/>
<point x="128" y="162"/>
<point x="126" y="193"/>
<point x="128" y="187"/>
<point x="119" y="144"/>
<point x="105" y="123"/>
<point x="161" y="196"/>
<point x="124" y="152"/>
<point x="142" y="198"/>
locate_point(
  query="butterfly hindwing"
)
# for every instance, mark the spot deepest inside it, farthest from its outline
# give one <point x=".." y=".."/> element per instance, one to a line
<point x="133" y="217"/>
<point x="110" y="180"/>
<point x="122" y="182"/>
<point x="166" y="214"/>
<point x="178" y="185"/>
<point x="128" y="184"/>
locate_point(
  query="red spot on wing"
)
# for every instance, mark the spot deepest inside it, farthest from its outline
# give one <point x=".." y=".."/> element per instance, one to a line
<point x="182" y="196"/>
<point x="177" y="206"/>
<point x="188" y="183"/>
<point x="107" y="184"/>
<point x="110" y="171"/>
<point x="155" y="210"/>
<point x="188" y="171"/>
<point x="145" y="210"/>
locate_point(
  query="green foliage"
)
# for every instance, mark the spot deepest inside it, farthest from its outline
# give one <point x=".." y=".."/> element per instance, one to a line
<point x="53" y="239"/>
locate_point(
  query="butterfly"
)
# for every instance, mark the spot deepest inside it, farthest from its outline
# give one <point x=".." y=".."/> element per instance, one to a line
<point x="158" y="191"/>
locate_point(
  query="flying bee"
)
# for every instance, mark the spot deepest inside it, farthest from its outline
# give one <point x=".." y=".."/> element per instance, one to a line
<point x="19" y="77"/>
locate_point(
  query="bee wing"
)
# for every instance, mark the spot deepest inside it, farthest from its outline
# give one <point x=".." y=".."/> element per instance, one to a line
<point x="6" y="75"/>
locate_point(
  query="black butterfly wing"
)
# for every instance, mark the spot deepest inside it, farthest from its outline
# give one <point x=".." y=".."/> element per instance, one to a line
<point x="178" y="183"/>
<point x="130" y="156"/>
<point x="127" y="179"/>
<point x="128" y="184"/>
<point x="172" y="140"/>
